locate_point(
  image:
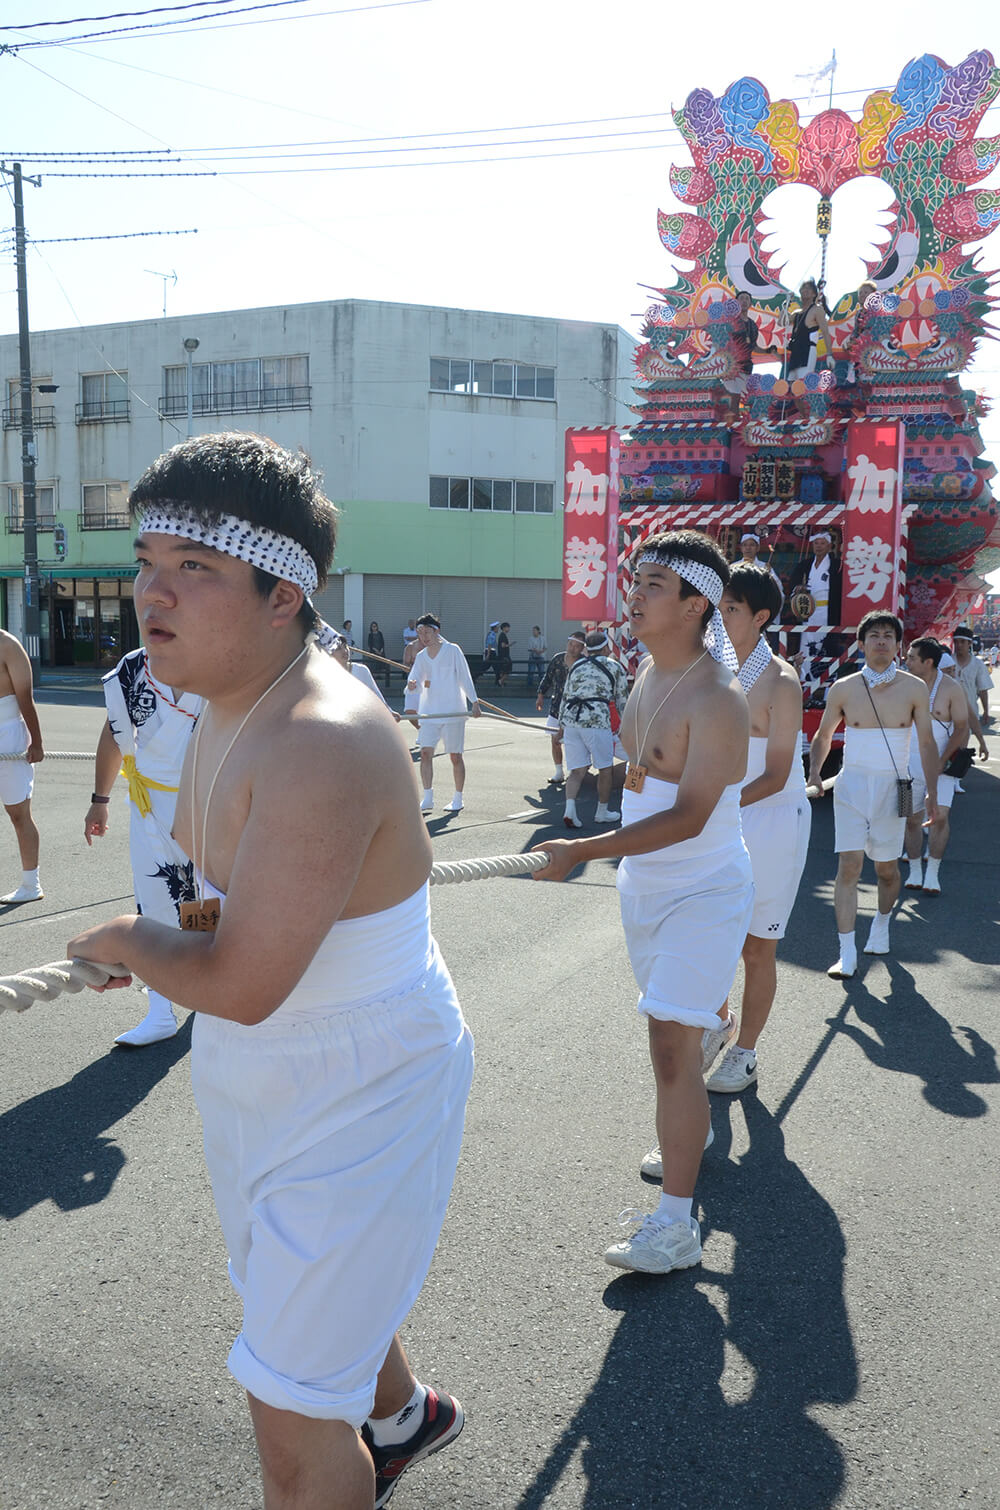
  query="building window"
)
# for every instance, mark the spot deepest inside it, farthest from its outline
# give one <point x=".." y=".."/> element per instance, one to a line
<point x="42" y="414"/>
<point x="105" y="506"/>
<point x="45" y="508"/>
<point x="496" y="379"/>
<point x="497" y="495"/>
<point x="237" y="387"/>
<point x="104" y="398"/>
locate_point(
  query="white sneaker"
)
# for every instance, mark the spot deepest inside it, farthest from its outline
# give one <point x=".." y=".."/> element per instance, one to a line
<point x="714" y="1040"/>
<point x="427" y="802"/>
<point x="656" y="1247"/>
<point x="652" y="1164"/>
<point x="154" y="1028"/>
<point x="455" y="805"/>
<point x="24" y="894"/>
<point x="737" y="1070"/>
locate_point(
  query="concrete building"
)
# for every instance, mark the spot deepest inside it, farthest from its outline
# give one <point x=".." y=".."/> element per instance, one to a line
<point x="439" y="431"/>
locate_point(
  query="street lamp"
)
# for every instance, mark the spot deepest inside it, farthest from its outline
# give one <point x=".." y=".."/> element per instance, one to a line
<point x="191" y="346"/>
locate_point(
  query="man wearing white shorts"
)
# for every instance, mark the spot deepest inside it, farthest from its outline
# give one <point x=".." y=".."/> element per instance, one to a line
<point x="19" y="735"/>
<point x="774" y="808"/>
<point x="950" y="721"/>
<point x="440" y="683"/>
<point x="594" y="686"/>
<point x="330" y="1060"/>
<point x="551" y="687"/>
<point x="880" y="706"/>
<point x="146" y="735"/>
<point x="685" y="883"/>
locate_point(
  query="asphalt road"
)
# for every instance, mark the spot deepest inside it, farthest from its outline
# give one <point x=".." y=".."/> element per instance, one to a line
<point x="837" y="1347"/>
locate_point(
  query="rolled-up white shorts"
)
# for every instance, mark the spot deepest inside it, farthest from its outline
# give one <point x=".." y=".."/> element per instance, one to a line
<point x="864" y="814"/>
<point x="945" y="791"/>
<point x="584" y="748"/>
<point x="777" y="840"/>
<point x="434" y="730"/>
<point x="17" y="777"/>
<point x="332" y="1142"/>
<point x="685" y="944"/>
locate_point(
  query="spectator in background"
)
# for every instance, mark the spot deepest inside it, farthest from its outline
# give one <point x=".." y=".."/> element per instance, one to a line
<point x="970" y="671"/>
<point x="490" y="650"/>
<point x="346" y="633"/>
<point x="376" y="644"/>
<point x="536" y="656"/>
<point x="504" y="662"/>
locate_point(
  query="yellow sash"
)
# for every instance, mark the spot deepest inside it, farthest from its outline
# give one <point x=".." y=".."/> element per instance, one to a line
<point x="140" y="786"/>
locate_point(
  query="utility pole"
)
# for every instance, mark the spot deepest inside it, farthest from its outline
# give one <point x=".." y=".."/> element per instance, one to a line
<point x="29" y="454"/>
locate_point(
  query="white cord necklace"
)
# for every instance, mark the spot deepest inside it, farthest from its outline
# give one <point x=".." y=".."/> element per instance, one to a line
<point x="194" y="914"/>
<point x="635" y="775"/>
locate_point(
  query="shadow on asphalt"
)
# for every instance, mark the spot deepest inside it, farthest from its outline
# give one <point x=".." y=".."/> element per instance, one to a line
<point x="53" y="1145"/>
<point x="704" y="1395"/>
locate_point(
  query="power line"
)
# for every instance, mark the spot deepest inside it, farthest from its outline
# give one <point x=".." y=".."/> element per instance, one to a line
<point x="158" y="26"/>
<point x="123" y="15"/>
<point x="178" y="28"/>
<point x="114" y="236"/>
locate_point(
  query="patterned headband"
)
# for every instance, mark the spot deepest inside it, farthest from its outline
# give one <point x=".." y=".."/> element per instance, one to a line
<point x="708" y="582"/>
<point x="277" y="554"/>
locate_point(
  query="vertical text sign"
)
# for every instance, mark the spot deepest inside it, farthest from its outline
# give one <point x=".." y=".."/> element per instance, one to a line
<point x="590" y="526"/>
<point x="873" y="492"/>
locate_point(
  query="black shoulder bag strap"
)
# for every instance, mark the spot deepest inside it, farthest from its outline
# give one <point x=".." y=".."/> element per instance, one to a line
<point x="904" y="784"/>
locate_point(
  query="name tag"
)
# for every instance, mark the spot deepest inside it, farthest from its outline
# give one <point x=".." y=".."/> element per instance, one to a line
<point x="635" y="777"/>
<point x="200" y="917"/>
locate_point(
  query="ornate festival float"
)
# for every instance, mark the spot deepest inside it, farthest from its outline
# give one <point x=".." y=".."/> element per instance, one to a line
<point x="878" y="443"/>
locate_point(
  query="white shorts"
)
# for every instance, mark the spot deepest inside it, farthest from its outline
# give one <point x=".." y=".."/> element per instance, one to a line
<point x="584" y="748"/>
<point x="777" y="838"/>
<point x="17" y="777"/>
<point x="553" y="725"/>
<point x="945" y="791"/>
<point x="433" y="730"/>
<point x="332" y="1143"/>
<point x="685" y="945"/>
<point x="864" y="814"/>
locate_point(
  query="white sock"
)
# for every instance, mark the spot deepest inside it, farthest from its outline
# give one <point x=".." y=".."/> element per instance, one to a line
<point x="931" y="873"/>
<point x="388" y="1430"/>
<point x="29" y="878"/>
<point x="559" y="773"/>
<point x="674" y="1208"/>
<point x="881" y="921"/>
<point x="848" y="949"/>
<point x="915" y="870"/>
<point x="570" y="807"/>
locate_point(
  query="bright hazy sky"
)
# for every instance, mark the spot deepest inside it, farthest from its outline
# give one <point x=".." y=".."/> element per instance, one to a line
<point x="566" y="229"/>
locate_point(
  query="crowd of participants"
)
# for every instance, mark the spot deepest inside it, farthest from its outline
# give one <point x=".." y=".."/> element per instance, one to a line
<point x="703" y="754"/>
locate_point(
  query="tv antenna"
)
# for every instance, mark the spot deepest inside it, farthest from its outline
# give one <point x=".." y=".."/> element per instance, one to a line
<point x="170" y="278"/>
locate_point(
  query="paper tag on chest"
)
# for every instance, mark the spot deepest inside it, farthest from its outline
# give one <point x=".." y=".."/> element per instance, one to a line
<point x="635" y="778"/>
<point x="200" y="917"/>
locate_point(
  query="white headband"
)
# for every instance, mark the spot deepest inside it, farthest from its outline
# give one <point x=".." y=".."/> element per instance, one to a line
<point x="277" y="554"/>
<point x="745" y="538"/>
<point x="708" y="582"/>
<point x="821" y="535"/>
<point x="600" y="644"/>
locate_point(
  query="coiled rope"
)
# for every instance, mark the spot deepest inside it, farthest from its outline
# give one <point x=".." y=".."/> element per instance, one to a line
<point x="66" y="977"/>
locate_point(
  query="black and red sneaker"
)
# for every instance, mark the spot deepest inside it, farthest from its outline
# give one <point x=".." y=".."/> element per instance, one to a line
<point x="443" y="1420"/>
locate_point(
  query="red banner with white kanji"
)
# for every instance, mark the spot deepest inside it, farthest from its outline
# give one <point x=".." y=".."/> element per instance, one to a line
<point x="873" y="495"/>
<point x="590" y="526"/>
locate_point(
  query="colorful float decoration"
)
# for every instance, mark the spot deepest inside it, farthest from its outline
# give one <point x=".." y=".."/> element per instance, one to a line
<point x="709" y="446"/>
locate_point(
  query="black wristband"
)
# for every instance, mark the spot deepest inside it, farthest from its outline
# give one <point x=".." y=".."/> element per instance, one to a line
<point x="95" y="798"/>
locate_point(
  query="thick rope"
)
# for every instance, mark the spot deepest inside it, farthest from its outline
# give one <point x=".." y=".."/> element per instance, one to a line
<point x="66" y="977"/>
<point x="55" y="755"/>
<point x="446" y="871"/>
<point x="61" y="978"/>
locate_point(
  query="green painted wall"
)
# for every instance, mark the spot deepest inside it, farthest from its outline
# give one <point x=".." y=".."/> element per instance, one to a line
<point x="376" y="536"/>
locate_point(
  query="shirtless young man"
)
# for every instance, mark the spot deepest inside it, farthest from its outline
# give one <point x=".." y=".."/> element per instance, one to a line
<point x="865" y="812"/>
<point x="330" y="1060"/>
<point x="773" y="806"/>
<point x="685" y="883"/>
<point x="19" y="734"/>
<point x="440" y="682"/>
<point x="950" y="721"/>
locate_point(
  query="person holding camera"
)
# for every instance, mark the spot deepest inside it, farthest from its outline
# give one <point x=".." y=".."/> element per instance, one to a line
<point x="950" y="721"/>
<point x="879" y="706"/>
